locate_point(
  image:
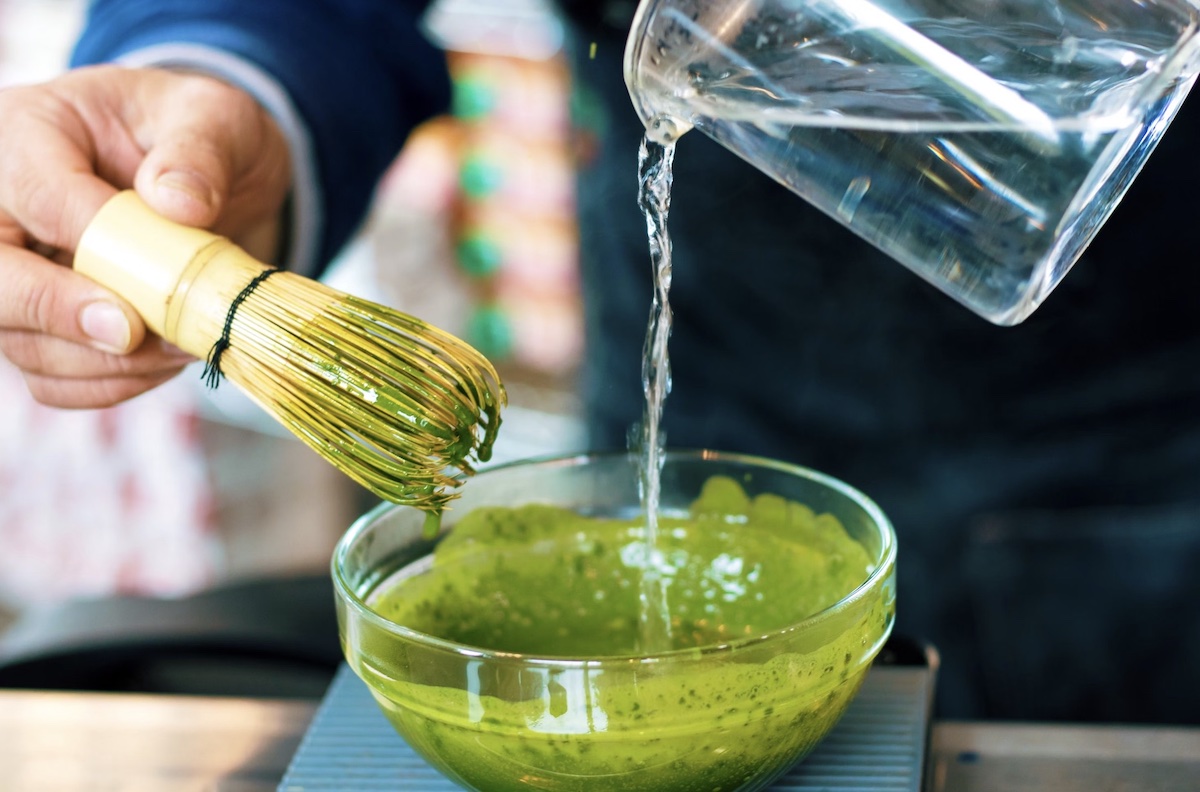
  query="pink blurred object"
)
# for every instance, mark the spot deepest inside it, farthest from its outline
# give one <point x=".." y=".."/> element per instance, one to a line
<point x="101" y="502"/>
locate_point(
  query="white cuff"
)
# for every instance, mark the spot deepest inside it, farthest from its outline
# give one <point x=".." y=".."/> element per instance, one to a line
<point x="306" y="197"/>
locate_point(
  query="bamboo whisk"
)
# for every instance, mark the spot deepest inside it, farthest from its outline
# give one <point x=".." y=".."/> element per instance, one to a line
<point x="395" y="403"/>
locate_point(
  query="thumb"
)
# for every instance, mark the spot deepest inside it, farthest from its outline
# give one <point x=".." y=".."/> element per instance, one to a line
<point x="183" y="194"/>
<point x="188" y="169"/>
<point x="185" y="178"/>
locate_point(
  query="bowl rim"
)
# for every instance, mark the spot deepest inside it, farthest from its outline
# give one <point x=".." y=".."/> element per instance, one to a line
<point x="885" y="566"/>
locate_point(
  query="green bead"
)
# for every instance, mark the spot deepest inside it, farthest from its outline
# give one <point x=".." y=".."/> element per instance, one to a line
<point x="473" y="99"/>
<point x="588" y="111"/>
<point x="479" y="178"/>
<point x="479" y="256"/>
<point x="490" y="331"/>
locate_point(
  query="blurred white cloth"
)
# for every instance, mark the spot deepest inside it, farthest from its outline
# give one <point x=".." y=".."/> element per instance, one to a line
<point x="94" y="502"/>
<point x="98" y="502"/>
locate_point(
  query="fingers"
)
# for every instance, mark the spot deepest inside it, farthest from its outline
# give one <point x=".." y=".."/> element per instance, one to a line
<point x="78" y="373"/>
<point x="215" y="158"/>
<point x="47" y="181"/>
<point x="199" y="151"/>
<point x="38" y="296"/>
<point x="64" y="333"/>
<point x="35" y="353"/>
<point x="90" y="393"/>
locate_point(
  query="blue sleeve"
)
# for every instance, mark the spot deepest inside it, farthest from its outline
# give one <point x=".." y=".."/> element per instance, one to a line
<point x="359" y="72"/>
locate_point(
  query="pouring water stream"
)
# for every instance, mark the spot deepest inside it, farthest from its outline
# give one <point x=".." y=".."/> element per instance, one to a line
<point x="655" y="158"/>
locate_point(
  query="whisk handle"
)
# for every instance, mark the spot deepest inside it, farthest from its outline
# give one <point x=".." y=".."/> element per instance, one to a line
<point x="179" y="279"/>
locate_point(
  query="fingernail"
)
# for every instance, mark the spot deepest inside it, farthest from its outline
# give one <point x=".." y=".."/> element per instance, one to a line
<point x="106" y="325"/>
<point x="186" y="183"/>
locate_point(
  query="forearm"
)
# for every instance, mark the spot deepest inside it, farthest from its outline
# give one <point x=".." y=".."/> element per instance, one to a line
<point x="347" y="81"/>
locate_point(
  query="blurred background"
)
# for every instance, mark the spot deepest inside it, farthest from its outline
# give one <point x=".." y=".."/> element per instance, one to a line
<point x="472" y="230"/>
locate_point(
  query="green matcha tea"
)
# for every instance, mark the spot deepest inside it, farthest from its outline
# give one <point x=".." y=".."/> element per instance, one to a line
<point x="544" y="582"/>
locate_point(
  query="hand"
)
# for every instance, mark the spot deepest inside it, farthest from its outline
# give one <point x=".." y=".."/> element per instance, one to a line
<point x="199" y="151"/>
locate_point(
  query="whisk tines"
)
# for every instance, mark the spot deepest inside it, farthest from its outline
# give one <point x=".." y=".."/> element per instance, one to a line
<point x="400" y="406"/>
<point x="404" y="408"/>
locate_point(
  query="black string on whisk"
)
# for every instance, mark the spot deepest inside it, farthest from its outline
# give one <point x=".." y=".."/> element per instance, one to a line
<point x="212" y="366"/>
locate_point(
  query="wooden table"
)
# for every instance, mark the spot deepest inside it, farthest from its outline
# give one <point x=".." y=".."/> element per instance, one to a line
<point x="1014" y="757"/>
<point x="72" y="742"/>
<point x="90" y="742"/>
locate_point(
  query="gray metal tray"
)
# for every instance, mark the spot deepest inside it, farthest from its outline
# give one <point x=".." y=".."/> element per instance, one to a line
<point x="879" y="745"/>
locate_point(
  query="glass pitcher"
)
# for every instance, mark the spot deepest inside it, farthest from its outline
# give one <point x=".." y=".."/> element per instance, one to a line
<point x="981" y="143"/>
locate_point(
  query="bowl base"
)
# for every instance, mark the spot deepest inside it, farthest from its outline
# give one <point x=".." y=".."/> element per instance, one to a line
<point x="350" y="739"/>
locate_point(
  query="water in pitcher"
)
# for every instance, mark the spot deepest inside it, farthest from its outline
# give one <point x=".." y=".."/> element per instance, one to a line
<point x="984" y="158"/>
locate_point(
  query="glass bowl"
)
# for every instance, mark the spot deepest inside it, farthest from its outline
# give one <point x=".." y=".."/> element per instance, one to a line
<point x="514" y="659"/>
